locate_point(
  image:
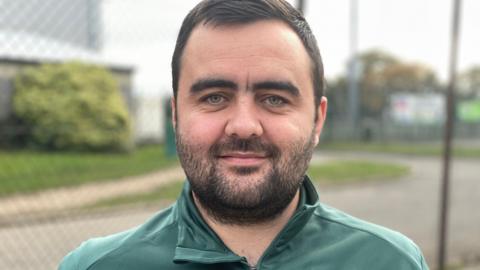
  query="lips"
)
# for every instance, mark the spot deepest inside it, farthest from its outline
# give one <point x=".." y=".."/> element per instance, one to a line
<point x="243" y="158"/>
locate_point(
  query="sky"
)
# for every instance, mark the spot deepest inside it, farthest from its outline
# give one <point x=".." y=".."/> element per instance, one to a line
<point x="142" y="33"/>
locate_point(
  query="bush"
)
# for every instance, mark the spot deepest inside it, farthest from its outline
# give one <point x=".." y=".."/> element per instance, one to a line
<point x="72" y="106"/>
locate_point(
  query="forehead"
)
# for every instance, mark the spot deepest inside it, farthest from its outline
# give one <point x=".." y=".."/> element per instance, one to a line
<point x="270" y="35"/>
<point x="269" y="46"/>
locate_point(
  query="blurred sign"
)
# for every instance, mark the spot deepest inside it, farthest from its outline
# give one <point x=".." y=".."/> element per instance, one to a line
<point x="469" y="111"/>
<point x="417" y="108"/>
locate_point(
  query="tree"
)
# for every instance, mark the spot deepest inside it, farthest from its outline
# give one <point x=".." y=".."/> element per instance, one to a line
<point x="469" y="82"/>
<point x="374" y="61"/>
<point x="383" y="74"/>
<point x="411" y="78"/>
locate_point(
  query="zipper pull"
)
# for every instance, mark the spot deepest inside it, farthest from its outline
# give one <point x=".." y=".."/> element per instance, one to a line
<point x="251" y="267"/>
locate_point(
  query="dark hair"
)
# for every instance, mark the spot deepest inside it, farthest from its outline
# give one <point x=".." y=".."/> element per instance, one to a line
<point x="232" y="12"/>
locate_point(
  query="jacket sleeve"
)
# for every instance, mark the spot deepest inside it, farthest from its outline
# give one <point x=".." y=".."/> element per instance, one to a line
<point x="423" y="263"/>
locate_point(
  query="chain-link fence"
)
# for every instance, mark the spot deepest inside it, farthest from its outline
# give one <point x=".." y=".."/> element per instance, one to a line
<point x="52" y="200"/>
<point x="44" y="215"/>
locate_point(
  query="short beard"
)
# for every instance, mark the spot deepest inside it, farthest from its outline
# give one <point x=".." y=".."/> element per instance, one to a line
<point x="262" y="202"/>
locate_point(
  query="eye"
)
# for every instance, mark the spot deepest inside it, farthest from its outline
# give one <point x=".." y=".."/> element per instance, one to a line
<point x="275" y="101"/>
<point x="214" y="99"/>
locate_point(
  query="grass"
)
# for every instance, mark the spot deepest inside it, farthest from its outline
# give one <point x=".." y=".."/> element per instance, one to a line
<point x="350" y="171"/>
<point x="29" y="171"/>
<point x="338" y="172"/>
<point x="167" y="193"/>
<point x="404" y="148"/>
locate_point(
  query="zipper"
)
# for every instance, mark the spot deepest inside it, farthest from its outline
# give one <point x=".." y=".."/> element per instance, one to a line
<point x="250" y="267"/>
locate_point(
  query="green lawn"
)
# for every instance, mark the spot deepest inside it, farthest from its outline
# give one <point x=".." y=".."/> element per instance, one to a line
<point x="403" y="148"/>
<point x="349" y="171"/>
<point x="333" y="173"/>
<point x="28" y="171"/>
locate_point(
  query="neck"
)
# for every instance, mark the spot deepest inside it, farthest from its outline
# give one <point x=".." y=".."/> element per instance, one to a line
<point x="249" y="241"/>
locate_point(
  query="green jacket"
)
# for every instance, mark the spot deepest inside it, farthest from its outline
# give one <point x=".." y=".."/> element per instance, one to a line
<point x="316" y="237"/>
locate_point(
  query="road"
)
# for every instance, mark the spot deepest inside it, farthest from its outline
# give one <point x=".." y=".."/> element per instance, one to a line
<point x="409" y="205"/>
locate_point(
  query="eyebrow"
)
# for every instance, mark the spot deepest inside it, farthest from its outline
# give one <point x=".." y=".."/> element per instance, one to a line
<point x="204" y="84"/>
<point x="277" y="85"/>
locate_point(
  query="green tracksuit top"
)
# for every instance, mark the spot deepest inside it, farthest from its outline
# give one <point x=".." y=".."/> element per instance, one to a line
<point x="316" y="237"/>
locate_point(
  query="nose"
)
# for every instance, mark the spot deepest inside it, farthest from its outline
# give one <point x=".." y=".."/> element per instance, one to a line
<point x="243" y="121"/>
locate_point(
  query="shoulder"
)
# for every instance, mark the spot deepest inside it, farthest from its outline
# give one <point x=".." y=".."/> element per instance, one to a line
<point x="97" y="249"/>
<point x="389" y="247"/>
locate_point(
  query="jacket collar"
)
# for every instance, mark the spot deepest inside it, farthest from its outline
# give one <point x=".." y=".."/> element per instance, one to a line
<point x="197" y="242"/>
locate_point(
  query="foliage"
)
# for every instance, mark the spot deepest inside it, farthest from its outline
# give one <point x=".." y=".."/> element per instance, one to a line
<point x="374" y="61"/>
<point x="382" y="74"/>
<point x="408" y="77"/>
<point x="469" y="82"/>
<point x="28" y="171"/>
<point x="72" y="106"/>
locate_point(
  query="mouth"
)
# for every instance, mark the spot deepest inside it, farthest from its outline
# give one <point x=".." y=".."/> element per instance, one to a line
<point x="243" y="158"/>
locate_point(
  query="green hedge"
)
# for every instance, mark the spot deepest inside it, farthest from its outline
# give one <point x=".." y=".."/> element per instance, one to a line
<point x="72" y="106"/>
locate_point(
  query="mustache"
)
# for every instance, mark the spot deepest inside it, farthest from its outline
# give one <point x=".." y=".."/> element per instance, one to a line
<point x="233" y="144"/>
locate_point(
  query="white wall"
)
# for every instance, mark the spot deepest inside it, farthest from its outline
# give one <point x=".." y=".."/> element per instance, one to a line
<point x="149" y="119"/>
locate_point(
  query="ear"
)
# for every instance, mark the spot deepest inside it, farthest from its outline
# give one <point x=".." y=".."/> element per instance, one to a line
<point x="173" y="113"/>
<point x="321" y="116"/>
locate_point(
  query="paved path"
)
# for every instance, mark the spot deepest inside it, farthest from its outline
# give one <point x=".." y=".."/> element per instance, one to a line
<point x="408" y="205"/>
<point x="57" y="200"/>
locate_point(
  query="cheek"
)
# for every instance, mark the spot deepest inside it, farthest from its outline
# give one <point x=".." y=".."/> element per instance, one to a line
<point x="201" y="129"/>
<point x="287" y="131"/>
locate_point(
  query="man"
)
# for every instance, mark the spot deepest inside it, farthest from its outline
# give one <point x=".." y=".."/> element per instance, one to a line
<point x="248" y="111"/>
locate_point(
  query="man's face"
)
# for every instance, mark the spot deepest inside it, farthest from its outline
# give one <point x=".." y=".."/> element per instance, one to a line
<point x="245" y="118"/>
